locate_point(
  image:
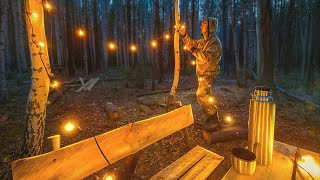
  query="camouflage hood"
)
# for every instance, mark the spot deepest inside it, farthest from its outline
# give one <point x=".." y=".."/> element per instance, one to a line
<point x="212" y="27"/>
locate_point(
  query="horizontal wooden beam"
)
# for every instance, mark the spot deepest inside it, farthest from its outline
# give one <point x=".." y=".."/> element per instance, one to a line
<point x="81" y="159"/>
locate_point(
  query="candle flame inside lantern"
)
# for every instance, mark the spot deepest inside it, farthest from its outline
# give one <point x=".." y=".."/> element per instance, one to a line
<point x="308" y="163"/>
<point x="69" y="127"/>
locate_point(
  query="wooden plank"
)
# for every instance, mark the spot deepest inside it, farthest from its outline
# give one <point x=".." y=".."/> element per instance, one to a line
<point x="180" y="168"/>
<point x="89" y="86"/>
<point x="81" y="81"/>
<point x="204" y="167"/>
<point x="81" y="159"/>
<point x="281" y="167"/>
<point x="86" y="84"/>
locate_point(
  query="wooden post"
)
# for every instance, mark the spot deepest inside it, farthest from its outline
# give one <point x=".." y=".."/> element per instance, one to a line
<point x="55" y="142"/>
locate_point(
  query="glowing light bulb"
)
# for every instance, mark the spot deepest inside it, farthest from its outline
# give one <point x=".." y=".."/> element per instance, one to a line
<point x="41" y="44"/>
<point x="167" y="36"/>
<point x="109" y="178"/>
<point x="228" y="119"/>
<point x="69" y="127"/>
<point x="193" y="62"/>
<point x="200" y="79"/>
<point x="154" y="43"/>
<point x="211" y="99"/>
<point x="55" y="84"/>
<point x="81" y="33"/>
<point x="183" y="26"/>
<point x="35" y="15"/>
<point x="184" y="47"/>
<point x="48" y="6"/>
<point x="112" y="46"/>
<point x="133" y="48"/>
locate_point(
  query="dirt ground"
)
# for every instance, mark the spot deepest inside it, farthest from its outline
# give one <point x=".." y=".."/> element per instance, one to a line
<point x="297" y="124"/>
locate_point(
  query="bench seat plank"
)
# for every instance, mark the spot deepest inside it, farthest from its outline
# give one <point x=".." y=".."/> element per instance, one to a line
<point x="198" y="163"/>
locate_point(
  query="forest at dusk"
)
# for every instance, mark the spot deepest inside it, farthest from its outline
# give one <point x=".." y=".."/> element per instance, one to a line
<point x="158" y="89"/>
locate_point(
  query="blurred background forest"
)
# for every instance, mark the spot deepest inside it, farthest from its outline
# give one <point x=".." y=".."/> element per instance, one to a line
<point x="295" y="39"/>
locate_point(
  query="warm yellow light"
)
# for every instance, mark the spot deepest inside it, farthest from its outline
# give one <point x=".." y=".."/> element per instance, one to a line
<point x="309" y="164"/>
<point x="154" y="43"/>
<point x="112" y="46"/>
<point x="35" y="15"/>
<point x="183" y="26"/>
<point x="81" y="33"/>
<point x="41" y="44"/>
<point x="185" y="47"/>
<point x="200" y="79"/>
<point x="55" y="84"/>
<point x="133" y="48"/>
<point x="167" y="36"/>
<point x="228" y="119"/>
<point x="193" y="62"/>
<point x="108" y="177"/>
<point x="48" y="6"/>
<point x="211" y="99"/>
<point x="69" y="127"/>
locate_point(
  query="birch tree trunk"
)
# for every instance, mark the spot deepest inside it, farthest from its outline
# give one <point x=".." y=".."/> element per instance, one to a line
<point x="3" y="34"/>
<point x="39" y="90"/>
<point x="171" y="98"/>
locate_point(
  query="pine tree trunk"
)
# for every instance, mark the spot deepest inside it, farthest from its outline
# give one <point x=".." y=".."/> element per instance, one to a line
<point x="36" y="106"/>
<point x="3" y="34"/>
<point x="265" y="61"/>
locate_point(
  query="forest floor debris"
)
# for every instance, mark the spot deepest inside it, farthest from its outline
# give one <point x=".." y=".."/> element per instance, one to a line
<point x="296" y="123"/>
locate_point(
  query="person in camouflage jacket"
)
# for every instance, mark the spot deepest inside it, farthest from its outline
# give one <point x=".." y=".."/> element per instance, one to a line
<point x="207" y="51"/>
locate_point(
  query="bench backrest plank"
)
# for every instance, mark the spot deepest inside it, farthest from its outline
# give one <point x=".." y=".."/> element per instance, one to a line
<point x="81" y="159"/>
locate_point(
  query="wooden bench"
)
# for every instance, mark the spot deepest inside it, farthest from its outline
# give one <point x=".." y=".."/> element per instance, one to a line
<point x="86" y="157"/>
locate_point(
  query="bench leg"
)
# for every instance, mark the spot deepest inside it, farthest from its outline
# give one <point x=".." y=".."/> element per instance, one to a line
<point x="127" y="171"/>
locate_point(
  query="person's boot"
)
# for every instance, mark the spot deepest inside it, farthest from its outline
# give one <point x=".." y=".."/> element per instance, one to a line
<point x="213" y="123"/>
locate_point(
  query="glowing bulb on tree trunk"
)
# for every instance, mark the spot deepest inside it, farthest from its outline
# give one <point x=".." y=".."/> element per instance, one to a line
<point x="193" y="62"/>
<point x="228" y="119"/>
<point x="35" y="15"/>
<point x="41" y="44"/>
<point x="211" y="99"/>
<point x="184" y="47"/>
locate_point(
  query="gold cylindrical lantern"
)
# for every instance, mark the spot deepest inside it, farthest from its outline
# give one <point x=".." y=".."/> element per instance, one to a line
<point x="261" y="125"/>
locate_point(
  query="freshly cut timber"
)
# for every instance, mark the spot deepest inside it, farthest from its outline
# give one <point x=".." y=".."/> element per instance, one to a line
<point x="112" y="110"/>
<point x="81" y="159"/>
<point x="227" y="133"/>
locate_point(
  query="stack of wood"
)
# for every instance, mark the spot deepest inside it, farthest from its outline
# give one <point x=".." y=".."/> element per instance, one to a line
<point x="88" y="85"/>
